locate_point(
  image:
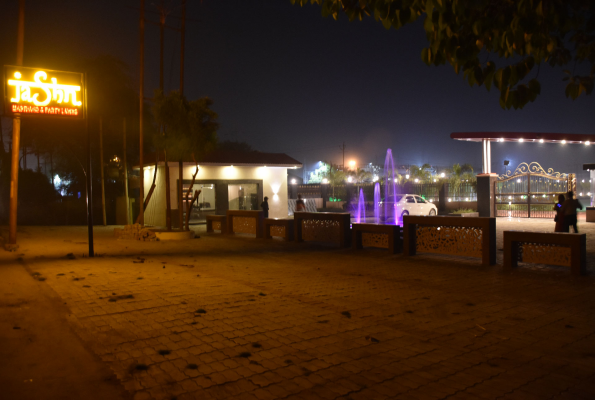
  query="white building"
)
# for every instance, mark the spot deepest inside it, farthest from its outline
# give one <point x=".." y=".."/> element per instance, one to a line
<point x="227" y="181"/>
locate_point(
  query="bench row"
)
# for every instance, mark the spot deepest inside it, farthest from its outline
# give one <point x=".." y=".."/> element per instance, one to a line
<point x="469" y="237"/>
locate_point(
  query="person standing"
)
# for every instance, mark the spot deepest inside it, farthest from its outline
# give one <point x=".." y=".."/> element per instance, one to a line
<point x="299" y="204"/>
<point x="559" y="218"/>
<point x="265" y="207"/>
<point x="569" y="208"/>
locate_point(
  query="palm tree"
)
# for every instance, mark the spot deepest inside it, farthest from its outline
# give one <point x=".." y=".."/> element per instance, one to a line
<point x="334" y="176"/>
<point x="422" y="173"/>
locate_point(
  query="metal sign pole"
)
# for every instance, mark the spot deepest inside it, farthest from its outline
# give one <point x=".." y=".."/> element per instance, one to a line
<point x="89" y="176"/>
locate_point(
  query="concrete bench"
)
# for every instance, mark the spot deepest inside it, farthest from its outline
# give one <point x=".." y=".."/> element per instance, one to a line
<point x="323" y="227"/>
<point x="217" y="223"/>
<point x="554" y="248"/>
<point x="469" y="237"/>
<point x="243" y="221"/>
<point x="374" y="235"/>
<point x="278" y="227"/>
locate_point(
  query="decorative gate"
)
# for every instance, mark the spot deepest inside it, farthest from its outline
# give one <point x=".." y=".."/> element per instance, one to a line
<point x="530" y="191"/>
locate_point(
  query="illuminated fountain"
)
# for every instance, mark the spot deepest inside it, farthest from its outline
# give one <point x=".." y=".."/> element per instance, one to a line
<point x="387" y="216"/>
<point x="361" y="208"/>
<point x="377" y="203"/>
<point x="390" y="189"/>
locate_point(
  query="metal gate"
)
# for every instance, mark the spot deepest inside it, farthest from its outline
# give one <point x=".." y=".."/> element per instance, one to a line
<point x="530" y="191"/>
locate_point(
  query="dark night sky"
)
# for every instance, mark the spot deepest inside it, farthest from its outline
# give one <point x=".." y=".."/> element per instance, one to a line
<point x="284" y="79"/>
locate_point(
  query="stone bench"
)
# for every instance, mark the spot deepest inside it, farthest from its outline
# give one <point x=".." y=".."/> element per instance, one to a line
<point x="469" y="237"/>
<point x="243" y="221"/>
<point x="374" y="235"/>
<point x="323" y="227"/>
<point x="217" y="223"/>
<point x="554" y="248"/>
<point x="278" y="227"/>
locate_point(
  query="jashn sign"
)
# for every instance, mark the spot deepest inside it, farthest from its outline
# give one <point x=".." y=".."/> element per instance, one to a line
<point x="42" y="92"/>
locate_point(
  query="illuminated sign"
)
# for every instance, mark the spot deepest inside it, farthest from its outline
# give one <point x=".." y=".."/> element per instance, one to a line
<point x="42" y="92"/>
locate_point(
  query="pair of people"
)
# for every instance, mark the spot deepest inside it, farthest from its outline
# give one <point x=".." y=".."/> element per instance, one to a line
<point x="566" y="212"/>
<point x="300" y="205"/>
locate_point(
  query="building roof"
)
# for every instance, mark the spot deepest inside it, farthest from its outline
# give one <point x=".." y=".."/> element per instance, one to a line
<point x="238" y="158"/>
<point x="524" y="137"/>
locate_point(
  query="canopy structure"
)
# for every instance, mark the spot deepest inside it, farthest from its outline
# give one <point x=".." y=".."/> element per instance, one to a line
<point x="531" y="137"/>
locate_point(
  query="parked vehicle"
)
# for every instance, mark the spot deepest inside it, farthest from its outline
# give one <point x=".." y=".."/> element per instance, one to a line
<point x="409" y="204"/>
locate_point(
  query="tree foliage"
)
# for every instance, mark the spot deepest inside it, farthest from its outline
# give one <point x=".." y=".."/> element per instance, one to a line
<point x="423" y="173"/>
<point x="190" y="127"/>
<point x="468" y="34"/>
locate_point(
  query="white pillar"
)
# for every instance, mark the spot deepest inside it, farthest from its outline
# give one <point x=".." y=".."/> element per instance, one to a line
<point x="486" y="157"/>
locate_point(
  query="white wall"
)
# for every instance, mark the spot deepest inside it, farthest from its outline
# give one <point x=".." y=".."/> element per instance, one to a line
<point x="274" y="187"/>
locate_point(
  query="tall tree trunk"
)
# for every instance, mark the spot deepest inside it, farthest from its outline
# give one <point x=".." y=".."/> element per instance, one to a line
<point x="189" y="192"/>
<point x="148" y="198"/>
<point x="167" y="195"/>
<point x="125" y="172"/>
<point x="52" y="167"/>
<point x="180" y="195"/>
<point x="195" y="198"/>
<point x="101" y="166"/>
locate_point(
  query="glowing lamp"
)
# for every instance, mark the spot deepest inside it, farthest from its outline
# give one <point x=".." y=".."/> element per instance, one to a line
<point x="293" y="181"/>
<point x="442" y="175"/>
<point x="587" y="143"/>
<point x="416" y="180"/>
<point x="540" y="140"/>
<point x="407" y="176"/>
<point x="563" y="141"/>
<point x="349" y="179"/>
<point x="521" y="140"/>
<point x="325" y="180"/>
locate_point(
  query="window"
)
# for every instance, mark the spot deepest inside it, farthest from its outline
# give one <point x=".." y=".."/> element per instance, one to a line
<point x="243" y="196"/>
<point x="409" y="199"/>
<point x="419" y="199"/>
<point x="204" y="205"/>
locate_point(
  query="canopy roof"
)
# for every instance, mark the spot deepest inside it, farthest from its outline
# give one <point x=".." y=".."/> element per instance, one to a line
<point x="524" y="137"/>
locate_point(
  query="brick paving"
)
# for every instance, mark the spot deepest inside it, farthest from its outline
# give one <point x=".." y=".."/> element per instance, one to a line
<point x="241" y="318"/>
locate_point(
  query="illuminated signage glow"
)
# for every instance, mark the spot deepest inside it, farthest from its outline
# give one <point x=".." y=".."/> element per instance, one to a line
<point x="32" y="91"/>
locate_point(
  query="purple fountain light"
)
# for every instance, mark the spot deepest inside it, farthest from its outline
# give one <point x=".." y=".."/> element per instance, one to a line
<point x="377" y="202"/>
<point x="390" y="188"/>
<point x="361" y="207"/>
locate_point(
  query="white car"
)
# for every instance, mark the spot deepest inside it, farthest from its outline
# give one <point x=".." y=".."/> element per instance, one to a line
<point x="410" y="204"/>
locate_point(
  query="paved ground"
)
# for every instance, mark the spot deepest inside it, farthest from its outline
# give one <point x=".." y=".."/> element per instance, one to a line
<point x="241" y="318"/>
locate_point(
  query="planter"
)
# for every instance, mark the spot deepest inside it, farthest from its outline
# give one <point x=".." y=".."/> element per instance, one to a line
<point x="174" y="235"/>
<point x="471" y="214"/>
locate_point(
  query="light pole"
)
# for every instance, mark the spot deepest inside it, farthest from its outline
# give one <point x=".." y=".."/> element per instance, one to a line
<point x="16" y="138"/>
